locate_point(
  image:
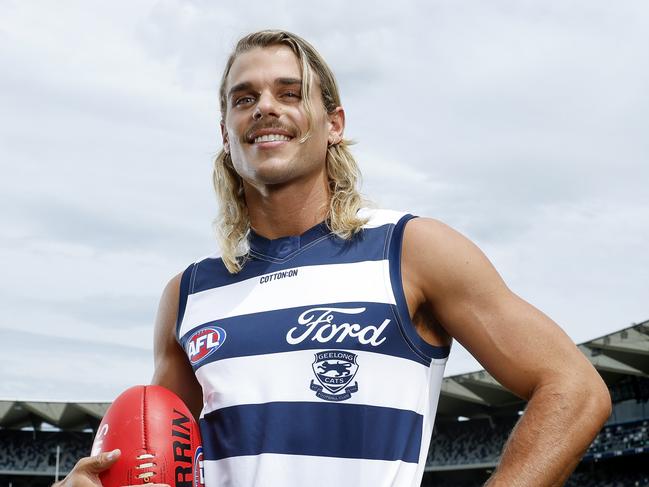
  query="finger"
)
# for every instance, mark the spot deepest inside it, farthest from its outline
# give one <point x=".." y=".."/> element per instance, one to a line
<point x="98" y="463"/>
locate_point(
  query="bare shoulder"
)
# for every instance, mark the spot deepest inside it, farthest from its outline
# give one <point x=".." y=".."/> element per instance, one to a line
<point x="429" y="227"/>
<point x="164" y="337"/>
<point x="165" y="321"/>
<point x="439" y="260"/>
<point x="168" y="309"/>
<point x="433" y="236"/>
<point x="172" y="368"/>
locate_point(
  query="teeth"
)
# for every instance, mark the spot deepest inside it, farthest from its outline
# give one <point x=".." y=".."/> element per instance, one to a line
<point x="271" y="138"/>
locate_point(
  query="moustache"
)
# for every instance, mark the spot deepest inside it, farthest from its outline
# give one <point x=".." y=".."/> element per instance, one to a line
<point x="249" y="135"/>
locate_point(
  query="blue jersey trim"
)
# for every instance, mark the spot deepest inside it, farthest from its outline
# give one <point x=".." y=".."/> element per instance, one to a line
<point x="265" y="333"/>
<point x="283" y="248"/>
<point x="317" y="429"/>
<point x="403" y="314"/>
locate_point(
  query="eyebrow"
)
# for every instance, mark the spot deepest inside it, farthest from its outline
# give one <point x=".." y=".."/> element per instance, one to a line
<point x="247" y="85"/>
<point x="288" y="81"/>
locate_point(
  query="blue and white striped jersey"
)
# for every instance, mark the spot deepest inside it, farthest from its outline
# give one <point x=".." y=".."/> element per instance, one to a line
<point x="312" y="372"/>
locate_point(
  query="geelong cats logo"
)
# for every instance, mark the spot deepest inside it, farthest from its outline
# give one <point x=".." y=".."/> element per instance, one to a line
<point x="334" y="370"/>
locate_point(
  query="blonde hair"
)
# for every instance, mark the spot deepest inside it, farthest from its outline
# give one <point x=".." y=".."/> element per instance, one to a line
<point x="232" y="224"/>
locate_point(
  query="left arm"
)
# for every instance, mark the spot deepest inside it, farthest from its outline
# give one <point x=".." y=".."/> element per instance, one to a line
<point x="449" y="277"/>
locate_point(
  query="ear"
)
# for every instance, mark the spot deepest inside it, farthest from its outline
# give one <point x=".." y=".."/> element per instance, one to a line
<point x="336" y="125"/>
<point x="224" y="138"/>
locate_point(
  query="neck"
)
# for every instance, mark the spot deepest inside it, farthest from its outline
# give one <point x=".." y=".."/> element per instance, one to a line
<point x="287" y="210"/>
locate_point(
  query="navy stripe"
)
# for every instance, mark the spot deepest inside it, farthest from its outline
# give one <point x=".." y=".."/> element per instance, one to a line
<point x="317" y="429"/>
<point x="266" y="332"/>
<point x="403" y="314"/>
<point x="369" y="244"/>
<point x="184" y="292"/>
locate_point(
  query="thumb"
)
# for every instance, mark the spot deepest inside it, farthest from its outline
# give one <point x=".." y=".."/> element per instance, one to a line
<point x="103" y="461"/>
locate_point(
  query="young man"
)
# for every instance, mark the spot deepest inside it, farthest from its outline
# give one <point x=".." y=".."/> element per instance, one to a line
<point x="329" y="325"/>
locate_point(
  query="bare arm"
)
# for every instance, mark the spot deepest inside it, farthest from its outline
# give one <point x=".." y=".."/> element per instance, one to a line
<point x="522" y="348"/>
<point x="172" y="369"/>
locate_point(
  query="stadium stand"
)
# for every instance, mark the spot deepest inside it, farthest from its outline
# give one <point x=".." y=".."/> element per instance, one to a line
<point x="480" y="442"/>
<point x="474" y="420"/>
<point x="476" y="445"/>
<point x="468" y="442"/>
<point x="621" y="439"/>
<point x="29" y="457"/>
<point x="35" y="451"/>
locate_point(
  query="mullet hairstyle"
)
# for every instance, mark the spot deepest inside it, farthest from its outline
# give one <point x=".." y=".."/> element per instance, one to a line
<point x="232" y="224"/>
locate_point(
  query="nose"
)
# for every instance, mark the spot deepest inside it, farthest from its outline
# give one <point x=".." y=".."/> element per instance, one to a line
<point x="266" y="106"/>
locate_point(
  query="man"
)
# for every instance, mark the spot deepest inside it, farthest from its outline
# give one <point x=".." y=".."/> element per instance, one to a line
<point x="329" y="325"/>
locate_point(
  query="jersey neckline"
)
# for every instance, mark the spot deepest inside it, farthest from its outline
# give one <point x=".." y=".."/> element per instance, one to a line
<point x="282" y="247"/>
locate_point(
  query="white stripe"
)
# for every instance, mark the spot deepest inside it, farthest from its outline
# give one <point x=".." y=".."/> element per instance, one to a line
<point x="331" y="283"/>
<point x="287" y="377"/>
<point x="273" y="470"/>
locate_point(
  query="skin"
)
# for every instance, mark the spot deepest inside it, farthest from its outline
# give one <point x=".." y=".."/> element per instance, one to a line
<point x="285" y="183"/>
<point x="451" y="288"/>
<point x="86" y="472"/>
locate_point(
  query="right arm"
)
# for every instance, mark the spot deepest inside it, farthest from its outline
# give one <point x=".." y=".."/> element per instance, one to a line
<point x="172" y="370"/>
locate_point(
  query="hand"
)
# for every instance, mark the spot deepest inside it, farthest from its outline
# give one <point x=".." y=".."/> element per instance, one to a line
<point x="86" y="472"/>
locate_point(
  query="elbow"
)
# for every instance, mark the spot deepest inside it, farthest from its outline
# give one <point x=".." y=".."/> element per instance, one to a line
<point x="595" y="399"/>
<point x="586" y="395"/>
<point x="602" y="400"/>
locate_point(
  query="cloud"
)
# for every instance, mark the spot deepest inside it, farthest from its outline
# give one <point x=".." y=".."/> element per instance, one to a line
<point x="522" y="124"/>
<point x="44" y="367"/>
<point x="121" y="312"/>
<point x="97" y="227"/>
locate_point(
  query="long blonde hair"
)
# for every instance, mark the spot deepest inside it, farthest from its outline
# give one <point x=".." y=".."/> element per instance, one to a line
<point x="232" y="224"/>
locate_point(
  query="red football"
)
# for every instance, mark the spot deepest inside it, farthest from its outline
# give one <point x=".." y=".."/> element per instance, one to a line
<point x="157" y="435"/>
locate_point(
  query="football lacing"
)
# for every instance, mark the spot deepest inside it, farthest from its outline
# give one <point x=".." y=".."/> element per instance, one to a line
<point x="145" y="475"/>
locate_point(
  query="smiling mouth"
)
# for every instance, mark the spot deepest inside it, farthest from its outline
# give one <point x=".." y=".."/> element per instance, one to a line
<point x="271" y="138"/>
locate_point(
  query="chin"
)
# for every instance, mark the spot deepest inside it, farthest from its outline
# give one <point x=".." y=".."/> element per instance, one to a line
<point x="276" y="176"/>
<point x="277" y="170"/>
<point x="272" y="171"/>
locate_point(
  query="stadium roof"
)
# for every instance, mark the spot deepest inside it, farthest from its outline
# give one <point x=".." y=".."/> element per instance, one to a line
<point x="616" y="356"/>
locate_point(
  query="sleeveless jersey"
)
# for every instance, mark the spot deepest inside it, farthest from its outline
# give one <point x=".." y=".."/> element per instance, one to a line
<point x="312" y="371"/>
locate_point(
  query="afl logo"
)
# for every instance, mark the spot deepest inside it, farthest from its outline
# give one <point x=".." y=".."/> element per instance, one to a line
<point x="204" y="343"/>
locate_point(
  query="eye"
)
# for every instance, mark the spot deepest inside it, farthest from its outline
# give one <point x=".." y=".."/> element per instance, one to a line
<point x="243" y="100"/>
<point x="292" y="94"/>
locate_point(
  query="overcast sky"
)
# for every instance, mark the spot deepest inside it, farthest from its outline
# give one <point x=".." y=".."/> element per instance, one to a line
<point x="523" y="124"/>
